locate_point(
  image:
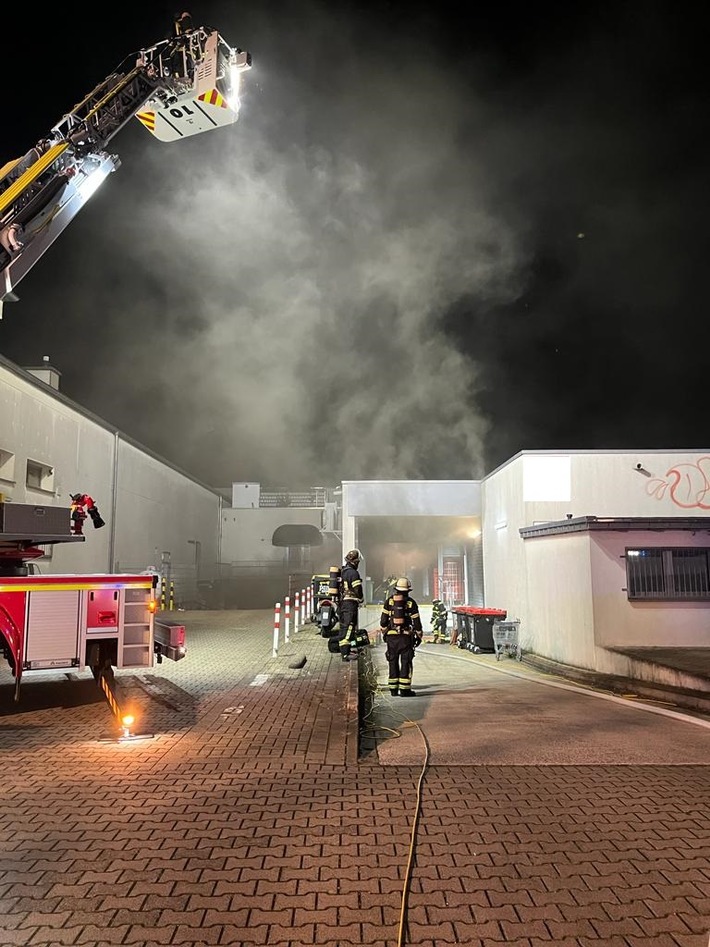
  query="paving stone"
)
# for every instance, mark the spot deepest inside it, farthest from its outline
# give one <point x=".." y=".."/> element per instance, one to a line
<point x="250" y="817"/>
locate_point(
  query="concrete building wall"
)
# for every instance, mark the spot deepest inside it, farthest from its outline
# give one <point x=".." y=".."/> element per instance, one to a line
<point x="545" y="486"/>
<point x="594" y="483"/>
<point x="504" y="571"/>
<point x="411" y="498"/>
<point x="159" y="510"/>
<point x="474" y="570"/>
<point x="622" y="623"/>
<point x="149" y="506"/>
<point x="247" y="533"/>
<point x="578" y="607"/>
<point x="559" y="622"/>
<point x="255" y="572"/>
<point x="36" y="426"/>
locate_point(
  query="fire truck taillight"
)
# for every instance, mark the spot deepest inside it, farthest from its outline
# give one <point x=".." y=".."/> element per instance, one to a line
<point x="152" y="605"/>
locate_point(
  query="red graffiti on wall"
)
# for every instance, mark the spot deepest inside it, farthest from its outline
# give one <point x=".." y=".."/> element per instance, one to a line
<point x="687" y="485"/>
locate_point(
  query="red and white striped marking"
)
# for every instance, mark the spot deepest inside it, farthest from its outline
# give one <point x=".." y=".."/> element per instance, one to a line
<point x="277" y="623"/>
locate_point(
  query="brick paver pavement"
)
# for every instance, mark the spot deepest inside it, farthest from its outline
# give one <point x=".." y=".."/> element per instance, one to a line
<point x="248" y="817"/>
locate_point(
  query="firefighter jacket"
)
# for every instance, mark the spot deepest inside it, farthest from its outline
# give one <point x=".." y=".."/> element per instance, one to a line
<point x="411" y="623"/>
<point x="351" y="584"/>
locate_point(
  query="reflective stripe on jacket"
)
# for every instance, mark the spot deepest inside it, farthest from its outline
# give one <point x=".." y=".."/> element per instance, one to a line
<point x="351" y="584"/>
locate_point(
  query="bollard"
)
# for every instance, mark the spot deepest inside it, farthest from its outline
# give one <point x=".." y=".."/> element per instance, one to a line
<point x="287" y="619"/>
<point x="277" y="621"/>
<point x="295" y="612"/>
<point x="303" y="606"/>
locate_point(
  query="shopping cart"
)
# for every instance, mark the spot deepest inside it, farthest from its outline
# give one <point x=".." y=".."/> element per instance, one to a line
<point x="506" y="639"/>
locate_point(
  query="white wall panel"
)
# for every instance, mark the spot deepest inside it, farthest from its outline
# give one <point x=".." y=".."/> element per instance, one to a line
<point x="159" y="509"/>
<point x="623" y="623"/>
<point x="246" y="534"/>
<point x="153" y="507"/>
<point x="412" y="498"/>
<point x="559" y="621"/>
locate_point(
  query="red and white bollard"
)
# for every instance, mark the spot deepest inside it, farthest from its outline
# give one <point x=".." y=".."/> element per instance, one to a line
<point x="295" y="612"/>
<point x="287" y="619"/>
<point x="277" y="622"/>
<point x="303" y="606"/>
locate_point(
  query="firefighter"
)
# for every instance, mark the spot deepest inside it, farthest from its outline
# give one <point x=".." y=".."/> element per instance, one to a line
<point x="180" y="64"/>
<point x="182" y="23"/>
<point x="82" y="505"/>
<point x="391" y="582"/>
<point x="401" y="629"/>
<point x="351" y="598"/>
<point x="439" y="616"/>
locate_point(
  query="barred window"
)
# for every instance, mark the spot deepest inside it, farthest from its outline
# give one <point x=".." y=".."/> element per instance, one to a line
<point x="670" y="574"/>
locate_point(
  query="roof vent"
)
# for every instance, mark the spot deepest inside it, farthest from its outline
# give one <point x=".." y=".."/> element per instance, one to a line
<point x="46" y="373"/>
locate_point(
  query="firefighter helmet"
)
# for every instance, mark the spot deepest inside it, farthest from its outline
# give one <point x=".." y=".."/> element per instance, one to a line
<point x="403" y="584"/>
<point x="353" y="556"/>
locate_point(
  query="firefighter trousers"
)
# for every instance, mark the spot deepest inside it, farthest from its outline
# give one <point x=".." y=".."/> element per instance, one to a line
<point x="348" y="625"/>
<point x="400" y="658"/>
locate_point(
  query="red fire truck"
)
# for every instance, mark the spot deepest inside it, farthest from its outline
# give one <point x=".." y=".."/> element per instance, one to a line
<point x="176" y="88"/>
<point x="73" y="622"/>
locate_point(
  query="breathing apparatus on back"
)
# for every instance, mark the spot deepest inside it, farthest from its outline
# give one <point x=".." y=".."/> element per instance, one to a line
<point x="400" y="616"/>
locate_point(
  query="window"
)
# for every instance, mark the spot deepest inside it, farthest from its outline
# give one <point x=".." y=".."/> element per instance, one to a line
<point x="669" y="574"/>
<point x="39" y="476"/>
<point x="7" y="465"/>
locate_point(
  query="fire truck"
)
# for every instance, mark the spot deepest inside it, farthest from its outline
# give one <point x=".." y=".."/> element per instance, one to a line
<point x="73" y="622"/>
<point x="176" y="88"/>
<point x="179" y="87"/>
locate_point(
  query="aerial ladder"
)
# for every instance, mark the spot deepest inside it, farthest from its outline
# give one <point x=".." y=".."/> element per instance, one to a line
<point x="179" y="87"/>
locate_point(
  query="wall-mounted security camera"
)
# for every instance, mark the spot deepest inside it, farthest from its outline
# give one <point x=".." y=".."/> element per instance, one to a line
<point x="639" y="466"/>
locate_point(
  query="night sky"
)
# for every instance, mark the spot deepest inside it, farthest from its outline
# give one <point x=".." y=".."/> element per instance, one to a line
<point x="432" y="240"/>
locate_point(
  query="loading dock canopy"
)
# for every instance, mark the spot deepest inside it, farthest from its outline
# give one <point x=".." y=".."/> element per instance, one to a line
<point x="297" y="534"/>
